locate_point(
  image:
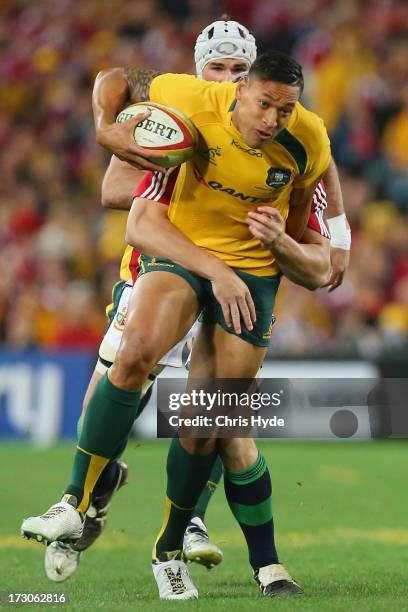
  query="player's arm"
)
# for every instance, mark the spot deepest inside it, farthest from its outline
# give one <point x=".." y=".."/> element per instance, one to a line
<point x="151" y="232"/>
<point x="300" y="203"/>
<point x="113" y="90"/>
<point x="119" y="184"/>
<point x="339" y="227"/>
<point x="306" y="263"/>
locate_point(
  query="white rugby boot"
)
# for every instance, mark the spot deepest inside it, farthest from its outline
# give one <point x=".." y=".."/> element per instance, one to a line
<point x="60" y="561"/>
<point x="197" y="547"/>
<point x="97" y="513"/>
<point x="61" y="522"/>
<point x="173" y="580"/>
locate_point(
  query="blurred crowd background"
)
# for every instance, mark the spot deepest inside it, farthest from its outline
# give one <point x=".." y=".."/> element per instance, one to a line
<point x="59" y="250"/>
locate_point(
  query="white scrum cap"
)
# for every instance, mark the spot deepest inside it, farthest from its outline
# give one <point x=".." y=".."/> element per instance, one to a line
<point x="223" y="40"/>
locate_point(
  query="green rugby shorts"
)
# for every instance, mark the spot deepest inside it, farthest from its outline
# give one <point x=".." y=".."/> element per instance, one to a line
<point x="263" y="290"/>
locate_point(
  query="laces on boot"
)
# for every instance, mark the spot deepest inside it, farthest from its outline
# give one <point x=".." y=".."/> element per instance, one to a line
<point x="176" y="581"/>
<point x="53" y="512"/>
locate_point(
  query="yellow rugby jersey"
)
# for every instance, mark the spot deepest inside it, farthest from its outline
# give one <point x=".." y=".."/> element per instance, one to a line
<point x="225" y="178"/>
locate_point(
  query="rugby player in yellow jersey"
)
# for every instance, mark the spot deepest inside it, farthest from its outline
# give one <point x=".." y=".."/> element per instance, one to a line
<point x="227" y="272"/>
<point x="118" y="186"/>
<point x="62" y="559"/>
<point x="210" y="213"/>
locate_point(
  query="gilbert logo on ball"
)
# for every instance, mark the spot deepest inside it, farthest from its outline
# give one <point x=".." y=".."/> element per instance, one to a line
<point x="166" y="130"/>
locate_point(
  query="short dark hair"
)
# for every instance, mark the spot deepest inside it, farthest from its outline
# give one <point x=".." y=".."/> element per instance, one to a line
<point x="279" y="67"/>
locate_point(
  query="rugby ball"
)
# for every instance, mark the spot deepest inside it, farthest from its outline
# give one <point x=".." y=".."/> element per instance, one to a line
<point x="166" y="130"/>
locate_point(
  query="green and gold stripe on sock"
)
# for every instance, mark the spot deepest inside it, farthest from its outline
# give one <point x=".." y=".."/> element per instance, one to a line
<point x="105" y="428"/>
<point x="187" y="475"/>
<point x="87" y="468"/>
<point x="95" y="469"/>
<point x="172" y="515"/>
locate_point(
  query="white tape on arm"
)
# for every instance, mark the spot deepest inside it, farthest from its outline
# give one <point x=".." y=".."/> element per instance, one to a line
<point x="340" y="232"/>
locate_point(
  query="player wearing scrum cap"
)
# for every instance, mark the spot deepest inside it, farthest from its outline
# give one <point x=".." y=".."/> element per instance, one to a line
<point x="224" y="51"/>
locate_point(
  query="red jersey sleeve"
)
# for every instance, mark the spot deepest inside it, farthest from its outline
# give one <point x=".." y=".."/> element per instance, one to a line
<point x="317" y="221"/>
<point x="157" y="186"/>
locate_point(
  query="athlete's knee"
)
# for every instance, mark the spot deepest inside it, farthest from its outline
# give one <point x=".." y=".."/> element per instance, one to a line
<point x="237" y="453"/>
<point x="198" y="446"/>
<point x="134" y="360"/>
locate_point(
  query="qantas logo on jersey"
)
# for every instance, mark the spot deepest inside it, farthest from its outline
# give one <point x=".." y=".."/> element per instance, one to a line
<point x="230" y="190"/>
<point x="278" y="177"/>
<point x="236" y="194"/>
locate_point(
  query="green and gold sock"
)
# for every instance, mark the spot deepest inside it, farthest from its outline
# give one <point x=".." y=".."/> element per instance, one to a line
<point x="108" y="477"/>
<point x="106" y="426"/>
<point x="186" y="476"/>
